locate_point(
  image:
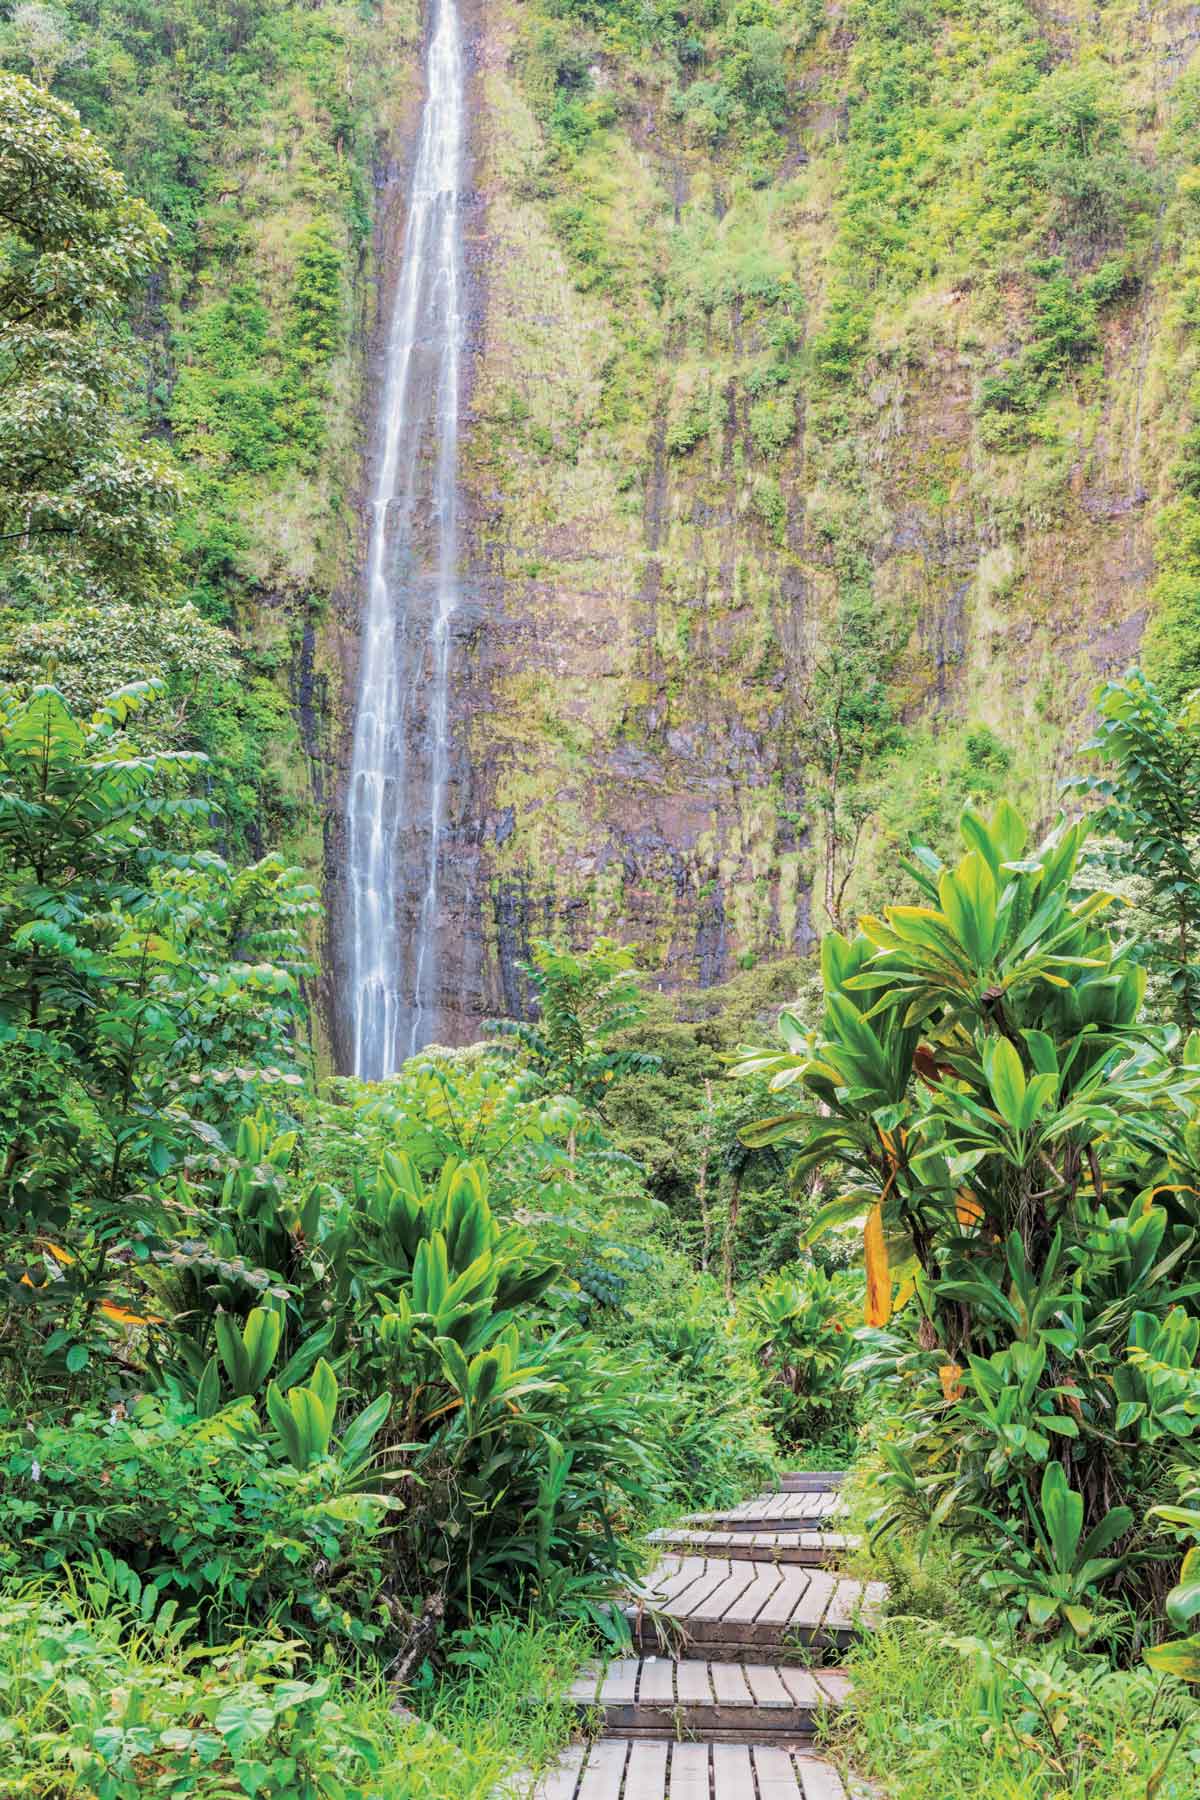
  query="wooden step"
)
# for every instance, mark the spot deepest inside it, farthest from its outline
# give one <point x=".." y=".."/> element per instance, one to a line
<point x="743" y="1702"/>
<point x="799" y="1512"/>
<point x="730" y="1610"/>
<point x="812" y="1549"/>
<point x="634" y="1769"/>
<point x="811" y="1481"/>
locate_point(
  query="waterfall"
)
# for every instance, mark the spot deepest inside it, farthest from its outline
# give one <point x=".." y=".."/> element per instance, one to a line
<point x="396" y="812"/>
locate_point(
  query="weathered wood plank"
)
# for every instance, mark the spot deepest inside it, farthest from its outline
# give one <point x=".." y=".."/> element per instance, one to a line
<point x="805" y="1688"/>
<point x="603" y="1770"/>
<point x="767" y="1687"/>
<point x="657" y="1686"/>
<point x="689" y="1587"/>
<point x="730" y="1684"/>
<point x="775" y="1774"/>
<point x="853" y="1603"/>
<point x="646" y="1776"/>
<point x="741" y="1600"/>
<point x="807" y="1548"/>
<point x="620" y="1683"/>
<point x="819" y="1780"/>
<point x="732" y="1771"/>
<point x="834" y="1684"/>
<point x="811" y="1481"/>
<point x="790" y="1603"/>
<point x="562" y="1780"/>
<point x="586" y="1686"/>
<point x="693" y="1683"/>
<point x="689" y="1772"/>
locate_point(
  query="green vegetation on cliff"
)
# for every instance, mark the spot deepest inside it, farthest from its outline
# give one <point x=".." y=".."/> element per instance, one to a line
<point x="251" y="131"/>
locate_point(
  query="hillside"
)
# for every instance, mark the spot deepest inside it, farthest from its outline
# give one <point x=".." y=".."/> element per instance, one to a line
<point x="828" y="430"/>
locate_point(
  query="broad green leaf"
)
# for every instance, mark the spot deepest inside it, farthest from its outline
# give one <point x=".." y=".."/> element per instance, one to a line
<point x="1006" y="1079"/>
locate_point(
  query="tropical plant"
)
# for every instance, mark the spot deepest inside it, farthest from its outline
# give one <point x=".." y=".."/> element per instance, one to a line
<point x="83" y="500"/>
<point x="1058" y="1578"/>
<point x="580" y="1001"/>
<point x="124" y="985"/>
<point x="799" y="1319"/>
<point x="1018" y="1141"/>
<point x="205" y="1512"/>
<point x="1150" y="795"/>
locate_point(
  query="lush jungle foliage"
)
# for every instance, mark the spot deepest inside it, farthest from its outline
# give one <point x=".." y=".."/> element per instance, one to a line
<point x="320" y="1402"/>
<point x="1014" y="1132"/>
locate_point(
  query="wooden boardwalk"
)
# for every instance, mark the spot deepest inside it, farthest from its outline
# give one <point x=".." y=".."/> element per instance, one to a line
<point x="678" y="1771"/>
<point x="716" y="1703"/>
<point x="731" y="1608"/>
<point x="811" y="1549"/>
<point x="808" y="1510"/>
<point x="657" y="1697"/>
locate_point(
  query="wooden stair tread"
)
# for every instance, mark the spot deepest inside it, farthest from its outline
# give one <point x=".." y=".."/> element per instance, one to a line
<point x="785" y="1546"/>
<point x="800" y="1511"/>
<point x="726" y="1607"/>
<point x="811" y="1481"/>
<point x="637" y="1769"/>
<point x="655" y="1696"/>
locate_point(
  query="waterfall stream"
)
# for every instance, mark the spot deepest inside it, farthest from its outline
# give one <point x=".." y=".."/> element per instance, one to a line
<point x="396" y="813"/>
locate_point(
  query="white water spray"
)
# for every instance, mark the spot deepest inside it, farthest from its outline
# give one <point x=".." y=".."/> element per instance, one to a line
<point x="399" y="770"/>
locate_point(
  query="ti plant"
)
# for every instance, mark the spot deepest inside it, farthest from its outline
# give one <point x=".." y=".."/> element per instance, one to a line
<point x="1180" y="1656"/>
<point x="304" y="1418"/>
<point x="1022" y="1150"/>
<point x="1057" y="1579"/>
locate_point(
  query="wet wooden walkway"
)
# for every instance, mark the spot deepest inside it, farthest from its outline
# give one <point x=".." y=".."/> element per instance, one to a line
<point x="720" y="1700"/>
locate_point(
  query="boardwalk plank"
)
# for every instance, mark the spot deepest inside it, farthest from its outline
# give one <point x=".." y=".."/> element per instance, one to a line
<point x="689" y="1772"/>
<point x="721" y="1598"/>
<point x="658" y="1683"/>
<point x="776" y="1777"/>
<point x="621" y="1682"/>
<point x="790" y="1600"/>
<point x="733" y="1777"/>
<point x="673" y="1576"/>
<point x="646" y="1776"/>
<point x="819" y="1780"/>
<point x="604" y="1769"/>
<point x="852" y="1602"/>
<point x="785" y="1545"/>
<point x="699" y="1577"/>
<point x="560" y="1783"/>
<point x="833" y="1683"/>
<point x="767" y="1687"/>
<point x="693" y="1682"/>
<point x="586" y="1686"/>
<point x="730" y="1684"/>
<point x="806" y="1686"/>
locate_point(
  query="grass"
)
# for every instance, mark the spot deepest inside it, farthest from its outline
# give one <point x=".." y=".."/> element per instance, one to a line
<point x="500" y="1714"/>
<point x="930" y="1718"/>
<point x="100" y="1703"/>
<point x="946" y="1705"/>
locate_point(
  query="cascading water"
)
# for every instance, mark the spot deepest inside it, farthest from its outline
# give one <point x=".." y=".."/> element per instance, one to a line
<point x="396" y="813"/>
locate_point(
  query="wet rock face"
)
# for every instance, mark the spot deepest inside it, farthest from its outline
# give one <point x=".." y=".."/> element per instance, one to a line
<point x="650" y="558"/>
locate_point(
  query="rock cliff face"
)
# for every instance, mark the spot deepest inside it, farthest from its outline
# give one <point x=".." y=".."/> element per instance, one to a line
<point x="818" y="452"/>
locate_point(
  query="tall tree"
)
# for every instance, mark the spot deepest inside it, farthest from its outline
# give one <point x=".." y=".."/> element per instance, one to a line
<point x="85" y="502"/>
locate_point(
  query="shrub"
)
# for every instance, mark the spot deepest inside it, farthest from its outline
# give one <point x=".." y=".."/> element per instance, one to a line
<point x="1019" y="1140"/>
<point x="203" y="1514"/>
<point x="102" y="1700"/>
<point x="801" y="1320"/>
